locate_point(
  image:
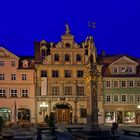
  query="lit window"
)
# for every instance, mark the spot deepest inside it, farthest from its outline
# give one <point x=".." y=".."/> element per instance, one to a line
<point x="13" y="76"/>
<point x="80" y="90"/>
<point x="1" y="63"/>
<point x="43" y="73"/>
<point x="67" y="73"/>
<point x="123" y="83"/>
<point x="68" y="90"/>
<point x="1" y="76"/>
<point x="123" y="99"/>
<point x="78" y="57"/>
<point x="131" y="83"/>
<point x="116" y="98"/>
<point x="56" y="57"/>
<point x="83" y="112"/>
<point x="55" y="74"/>
<point x="24" y="76"/>
<point x="2" y="93"/>
<point x="108" y="98"/>
<point x="67" y="57"/>
<point x="55" y="90"/>
<point x="13" y="93"/>
<point x="24" y="93"/>
<point x="80" y="73"/>
<point x="116" y="83"/>
<point x="13" y="63"/>
<point x="108" y="84"/>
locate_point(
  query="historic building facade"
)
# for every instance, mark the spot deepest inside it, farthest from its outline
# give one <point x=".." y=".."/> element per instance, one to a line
<point x="121" y="89"/>
<point x="17" y="87"/>
<point x="60" y="85"/>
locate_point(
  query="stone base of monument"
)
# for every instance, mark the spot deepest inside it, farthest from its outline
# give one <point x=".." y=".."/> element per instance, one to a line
<point x="94" y="134"/>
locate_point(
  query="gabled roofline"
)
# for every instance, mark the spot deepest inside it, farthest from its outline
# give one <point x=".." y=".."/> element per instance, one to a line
<point x="123" y="58"/>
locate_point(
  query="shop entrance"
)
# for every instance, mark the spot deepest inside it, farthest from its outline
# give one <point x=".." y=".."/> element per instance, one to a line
<point x="5" y="113"/>
<point x="137" y="117"/>
<point x="62" y="112"/>
<point x="120" y="117"/>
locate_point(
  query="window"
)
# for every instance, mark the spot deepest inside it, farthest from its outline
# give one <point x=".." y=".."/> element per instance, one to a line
<point x="130" y="69"/>
<point x="43" y="52"/>
<point x="13" y="76"/>
<point x="78" y="57"/>
<point x="1" y="76"/>
<point x="67" y="73"/>
<point x="138" y="83"/>
<point x="116" y="98"/>
<point x="116" y="83"/>
<point x="24" y="76"/>
<point x="67" y="57"/>
<point x="1" y="63"/>
<point x="43" y="73"/>
<point x="80" y="90"/>
<point x="67" y="45"/>
<point x="123" y="83"/>
<point x="13" y="63"/>
<point x="115" y="70"/>
<point x="2" y="93"/>
<point x="123" y="99"/>
<point x="56" y="57"/>
<point x="24" y="93"/>
<point x="55" y="73"/>
<point x="13" y="93"/>
<point x="123" y="69"/>
<point x="68" y="90"/>
<point x="131" y="83"/>
<point x="131" y="98"/>
<point x="108" y="98"/>
<point x="83" y="112"/>
<point x="107" y="83"/>
<point x="138" y="98"/>
<point x="80" y="73"/>
<point x="55" y="90"/>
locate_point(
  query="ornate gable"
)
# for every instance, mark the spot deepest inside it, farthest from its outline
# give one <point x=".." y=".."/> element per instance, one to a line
<point x="4" y="53"/>
<point x="124" y="61"/>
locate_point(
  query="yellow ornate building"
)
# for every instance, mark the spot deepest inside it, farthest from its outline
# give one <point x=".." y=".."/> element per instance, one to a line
<point x="60" y="84"/>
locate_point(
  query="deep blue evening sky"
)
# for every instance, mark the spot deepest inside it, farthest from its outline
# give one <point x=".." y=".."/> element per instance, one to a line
<point x="117" y="23"/>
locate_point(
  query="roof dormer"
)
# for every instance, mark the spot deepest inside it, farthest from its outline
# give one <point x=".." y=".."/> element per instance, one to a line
<point x="25" y="64"/>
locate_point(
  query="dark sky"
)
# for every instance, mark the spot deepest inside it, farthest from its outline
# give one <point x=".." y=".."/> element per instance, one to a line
<point x="117" y="23"/>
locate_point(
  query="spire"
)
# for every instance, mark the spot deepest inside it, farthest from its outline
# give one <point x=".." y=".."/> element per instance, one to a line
<point x="67" y="29"/>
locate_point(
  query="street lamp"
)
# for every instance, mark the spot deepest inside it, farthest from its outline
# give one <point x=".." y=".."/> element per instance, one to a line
<point x="138" y="106"/>
<point x="43" y="109"/>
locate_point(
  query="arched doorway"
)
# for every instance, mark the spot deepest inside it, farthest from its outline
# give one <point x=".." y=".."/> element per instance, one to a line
<point x="63" y="112"/>
<point x="23" y="114"/>
<point x="5" y="113"/>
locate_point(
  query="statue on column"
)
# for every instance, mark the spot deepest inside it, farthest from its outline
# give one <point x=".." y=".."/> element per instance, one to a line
<point x="67" y="29"/>
<point x="92" y="54"/>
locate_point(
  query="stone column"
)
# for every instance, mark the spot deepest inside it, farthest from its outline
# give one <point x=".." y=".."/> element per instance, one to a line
<point x="75" y="110"/>
<point x="49" y="107"/>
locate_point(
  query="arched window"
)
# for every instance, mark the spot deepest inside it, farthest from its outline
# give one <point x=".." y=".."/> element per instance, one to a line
<point x="56" y="57"/>
<point x="78" y="57"/>
<point x="67" y="57"/>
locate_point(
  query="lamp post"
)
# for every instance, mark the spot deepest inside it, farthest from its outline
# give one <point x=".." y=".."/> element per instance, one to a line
<point x="43" y="109"/>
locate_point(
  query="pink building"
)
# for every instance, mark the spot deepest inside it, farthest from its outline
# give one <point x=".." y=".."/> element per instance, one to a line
<point x="17" y="87"/>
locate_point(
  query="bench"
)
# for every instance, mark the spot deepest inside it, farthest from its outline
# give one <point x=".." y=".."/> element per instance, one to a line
<point x="73" y="128"/>
<point x="131" y="132"/>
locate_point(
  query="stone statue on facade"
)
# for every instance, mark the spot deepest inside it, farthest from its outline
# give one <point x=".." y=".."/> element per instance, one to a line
<point x="67" y="29"/>
<point x="92" y="54"/>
